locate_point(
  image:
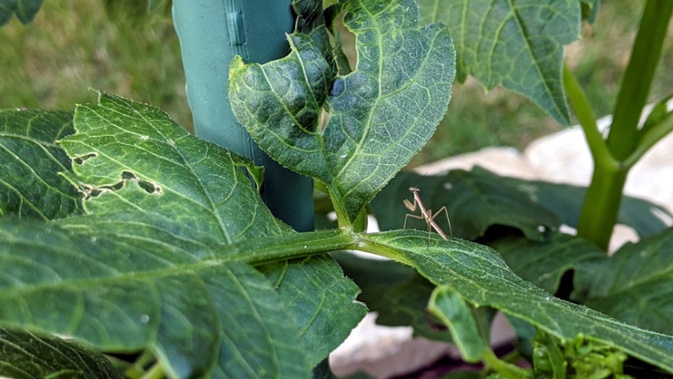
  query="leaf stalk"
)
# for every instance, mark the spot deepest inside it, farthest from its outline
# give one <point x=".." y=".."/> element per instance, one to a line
<point x="601" y="205"/>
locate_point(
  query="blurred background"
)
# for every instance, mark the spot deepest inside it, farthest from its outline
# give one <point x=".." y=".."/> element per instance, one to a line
<point x="74" y="45"/>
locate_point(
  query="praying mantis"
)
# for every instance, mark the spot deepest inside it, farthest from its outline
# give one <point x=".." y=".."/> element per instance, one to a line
<point x="426" y="214"/>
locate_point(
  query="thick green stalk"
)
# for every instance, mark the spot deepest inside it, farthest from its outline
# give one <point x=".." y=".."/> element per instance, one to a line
<point x="601" y="205"/>
<point x="606" y="171"/>
<point x="211" y="33"/>
<point x="637" y="80"/>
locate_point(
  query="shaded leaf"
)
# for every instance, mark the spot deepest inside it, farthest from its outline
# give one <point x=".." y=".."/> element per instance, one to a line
<point x="25" y="10"/>
<point x="480" y="276"/>
<point x="634" y="285"/>
<point x="518" y="44"/>
<point x="25" y="355"/>
<point x="565" y="201"/>
<point x="474" y="202"/>
<point x="30" y="184"/>
<point x="545" y="262"/>
<point x="397" y="293"/>
<point x="396" y="96"/>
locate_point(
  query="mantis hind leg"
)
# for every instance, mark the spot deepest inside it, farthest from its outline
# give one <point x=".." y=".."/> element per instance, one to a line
<point x="446" y="212"/>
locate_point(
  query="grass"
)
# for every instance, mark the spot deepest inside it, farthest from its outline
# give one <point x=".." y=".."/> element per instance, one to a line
<point x="75" y="45"/>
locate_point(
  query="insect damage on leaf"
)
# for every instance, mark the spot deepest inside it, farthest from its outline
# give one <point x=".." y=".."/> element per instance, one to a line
<point x="127" y="177"/>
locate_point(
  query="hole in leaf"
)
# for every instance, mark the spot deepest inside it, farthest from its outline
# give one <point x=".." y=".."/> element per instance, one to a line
<point x="149" y="187"/>
<point x="83" y="158"/>
<point x="126" y="176"/>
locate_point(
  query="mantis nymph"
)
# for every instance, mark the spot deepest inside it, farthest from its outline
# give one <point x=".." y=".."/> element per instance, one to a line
<point x="426" y="214"/>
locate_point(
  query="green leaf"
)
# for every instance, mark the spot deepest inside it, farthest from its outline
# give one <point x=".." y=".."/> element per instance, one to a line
<point x="396" y="96"/>
<point x="474" y="202"/>
<point x="123" y="292"/>
<point x="324" y="305"/>
<point x="25" y="10"/>
<point x="518" y="44"/>
<point x="544" y="262"/>
<point x="634" y="285"/>
<point x="480" y="276"/>
<point x="447" y="305"/>
<point x="548" y="357"/>
<point x="30" y="184"/>
<point x="565" y="201"/>
<point x="580" y="357"/>
<point x="25" y="355"/>
<point x="161" y="259"/>
<point x="131" y="156"/>
<point x="397" y="293"/>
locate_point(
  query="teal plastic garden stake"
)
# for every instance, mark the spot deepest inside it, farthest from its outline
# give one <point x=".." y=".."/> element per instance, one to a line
<point x="211" y="33"/>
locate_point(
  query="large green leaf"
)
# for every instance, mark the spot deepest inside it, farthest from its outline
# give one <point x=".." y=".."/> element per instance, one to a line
<point x="25" y="10"/>
<point x="380" y="115"/>
<point x="25" y="355"/>
<point x="634" y="284"/>
<point x="515" y="43"/>
<point x="481" y="277"/>
<point x="30" y="184"/>
<point x="320" y="300"/>
<point x="152" y="265"/>
<point x="474" y="202"/>
<point x="119" y="291"/>
<point x="545" y="262"/>
<point x="131" y="156"/>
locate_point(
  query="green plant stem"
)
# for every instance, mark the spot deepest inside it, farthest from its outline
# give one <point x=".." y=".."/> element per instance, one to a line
<point x="298" y="245"/>
<point x="155" y="372"/>
<point x="649" y="139"/>
<point x="138" y="366"/>
<point x="637" y="80"/>
<point x="585" y="116"/>
<point x="506" y="370"/>
<point x="601" y="205"/>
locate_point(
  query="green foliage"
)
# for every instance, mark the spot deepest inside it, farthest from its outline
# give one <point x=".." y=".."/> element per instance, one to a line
<point x="397" y="94"/>
<point x="475" y="202"/>
<point x="545" y="262"/>
<point x="162" y="207"/>
<point x="633" y="285"/>
<point x="480" y="276"/>
<point x="35" y="187"/>
<point x="578" y="358"/>
<point x="124" y="231"/>
<point x="25" y="355"/>
<point x="449" y="307"/>
<point x="519" y="45"/>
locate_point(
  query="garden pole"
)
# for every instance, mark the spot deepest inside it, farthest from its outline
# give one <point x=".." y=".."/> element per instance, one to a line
<point x="211" y="33"/>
